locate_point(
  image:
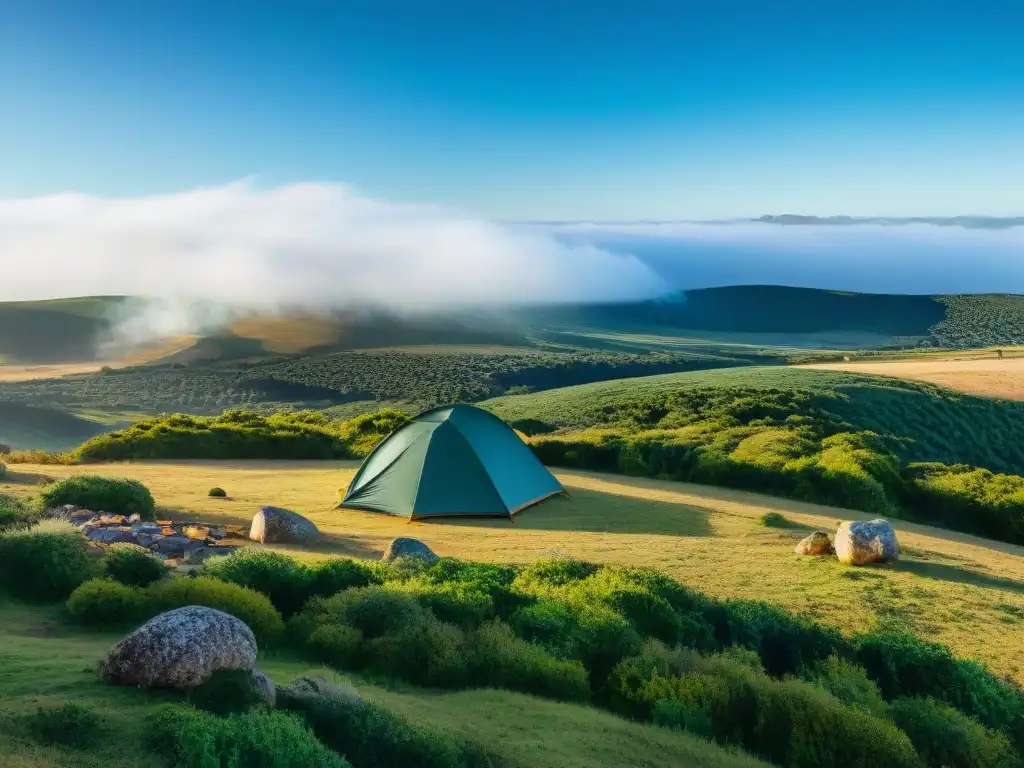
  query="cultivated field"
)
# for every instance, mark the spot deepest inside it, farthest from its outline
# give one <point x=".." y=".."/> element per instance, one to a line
<point x="989" y="376"/>
<point x="957" y="589"/>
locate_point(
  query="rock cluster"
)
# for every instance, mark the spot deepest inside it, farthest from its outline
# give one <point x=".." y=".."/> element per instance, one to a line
<point x="855" y="543"/>
<point x="176" y="543"/>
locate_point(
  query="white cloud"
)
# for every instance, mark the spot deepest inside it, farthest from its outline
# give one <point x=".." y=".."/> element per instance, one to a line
<point x="315" y="245"/>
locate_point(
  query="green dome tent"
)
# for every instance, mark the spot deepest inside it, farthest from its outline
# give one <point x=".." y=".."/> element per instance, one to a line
<point x="459" y="460"/>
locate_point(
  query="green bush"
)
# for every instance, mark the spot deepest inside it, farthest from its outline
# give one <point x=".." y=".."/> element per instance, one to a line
<point x="14" y="513"/>
<point x="253" y="608"/>
<point x="69" y="725"/>
<point x="44" y="565"/>
<point x="848" y="683"/>
<point x="132" y="566"/>
<point x="335" y="644"/>
<point x="370" y="736"/>
<point x="497" y="658"/>
<point x="115" y="496"/>
<point x="773" y="520"/>
<point x="191" y="738"/>
<point x="454" y="603"/>
<point x="108" y="604"/>
<point x="424" y="651"/>
<point x="228" y="691"/>
<point x="217" y="493"/>
<point x="945" y="737"/>
<point x="788" y="722"/>
<point x="374" y="611"/>
<point x="281" y="578"/>
<point x="328" y="577"/>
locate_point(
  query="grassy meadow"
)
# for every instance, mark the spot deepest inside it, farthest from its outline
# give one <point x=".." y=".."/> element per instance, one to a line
<point x="953" y="588"/>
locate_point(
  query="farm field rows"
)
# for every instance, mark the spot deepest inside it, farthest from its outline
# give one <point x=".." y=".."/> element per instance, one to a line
<point x="954" y="588"/>
<point x="991" y="377"/>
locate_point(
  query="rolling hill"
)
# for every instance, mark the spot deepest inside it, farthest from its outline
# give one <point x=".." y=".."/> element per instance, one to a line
<point x="72" y="330"/>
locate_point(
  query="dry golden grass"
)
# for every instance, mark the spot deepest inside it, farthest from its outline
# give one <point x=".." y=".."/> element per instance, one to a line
<point x="957" y="589"/>
<point x="989" y="376"/>
<point x="292" y="333"/>
<point x="148" y="354"/>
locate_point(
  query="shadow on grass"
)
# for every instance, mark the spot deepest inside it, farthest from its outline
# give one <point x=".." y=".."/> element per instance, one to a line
<point x="957" y="574"/>
<point x="24" y="478"/>
<point x="593" y="512"/>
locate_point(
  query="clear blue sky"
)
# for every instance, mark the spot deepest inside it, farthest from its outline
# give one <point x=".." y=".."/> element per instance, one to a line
<point x="522" y="109"/>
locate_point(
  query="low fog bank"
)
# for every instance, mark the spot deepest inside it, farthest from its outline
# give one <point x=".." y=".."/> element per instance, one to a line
<point x="871" y="258"/>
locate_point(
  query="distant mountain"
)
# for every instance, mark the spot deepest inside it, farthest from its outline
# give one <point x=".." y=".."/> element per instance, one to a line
<point x="967" y="222"/>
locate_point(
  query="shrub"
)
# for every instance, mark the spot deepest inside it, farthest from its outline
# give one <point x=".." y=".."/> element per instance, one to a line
<point x="69" y="725"/>
<point x="497" y="658"/>
<point x="785" y="721"/>
<point x="424" y="651"/>
<point x="329" y="577"/>
<point x="773" y="520"/>
<point x="42" y="564"/>
<point x="369" y="736"/>
<point x="848" y="683"/>
<point x="538" y="578"/>
<point x="335" y="644"/>
<point x="228" y="691"/>
<point x="455" y="603"/>
<point x="374" y="611"/>
<point x="196" y="739"/>
<point x="14" y="513"/>
<point x="253" y="608"/>
<point x="132" y="566"/>
<point x="116" y="496"/>
<point x="217" y="493"/>
<point x="281" y="578"/>
<point x="945" y="737"/>
<point x="108" y="604"/>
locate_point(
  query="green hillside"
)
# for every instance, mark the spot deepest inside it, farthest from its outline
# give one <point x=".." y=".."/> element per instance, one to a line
<point x="45" y="428"/>
<point x="58" y="330"/>
<point x="948" y="321"/>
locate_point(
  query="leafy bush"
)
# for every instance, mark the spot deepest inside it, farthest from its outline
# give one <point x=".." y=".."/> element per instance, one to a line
<point x="217" y="493"/>
<point x="195" y="739"/>
<point x="848" y="683"/>
<point x="328" y="577"/>
<point x="370" y="736"/>
<point x="281" y="578"/>
<point x="453" y="602"/>
<point x="108" y="604"/>
<point x="773" y="520"/>
<point x="253" y="608"/>
<point x="945" y="737"/>
<point x="14" y="513"/>
<point x="116" y="496"/>
<point x="497" y="658"/>
<point x="132" y="566"/>
<point x="335" y="644"/>
<point x="69" y="725"/>
<point x="228" y="691"/>
<point x="785" y="721"/>
<point x="42" y="564"/>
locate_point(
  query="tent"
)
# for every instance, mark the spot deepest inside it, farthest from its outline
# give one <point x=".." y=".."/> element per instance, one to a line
<point x="457" y="460"/>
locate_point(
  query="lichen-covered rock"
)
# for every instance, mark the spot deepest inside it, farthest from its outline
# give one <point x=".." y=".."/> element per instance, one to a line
<point x="818" y="543"/>
<point x="175" y="546"/>
<point x="201" y="555"/>
<point x="181" y="649"/>
<point x="860" y="543"/>
<point x="407" y="547"/>
<point x="265" y="686"/>
<point x="314" y="686"/>
<point x="274" y="525"/>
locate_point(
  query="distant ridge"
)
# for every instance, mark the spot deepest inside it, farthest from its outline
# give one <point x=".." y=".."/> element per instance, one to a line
<point x="967" y="222"/>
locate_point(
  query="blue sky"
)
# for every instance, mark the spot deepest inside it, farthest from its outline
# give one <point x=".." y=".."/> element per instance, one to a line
<point x="526" y="110"/>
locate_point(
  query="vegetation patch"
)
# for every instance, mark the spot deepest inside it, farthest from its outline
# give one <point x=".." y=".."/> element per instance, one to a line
<point x="115" y="496"/>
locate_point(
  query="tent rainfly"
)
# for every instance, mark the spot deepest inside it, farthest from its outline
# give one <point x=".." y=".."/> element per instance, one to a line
<point x="453" y="461"/>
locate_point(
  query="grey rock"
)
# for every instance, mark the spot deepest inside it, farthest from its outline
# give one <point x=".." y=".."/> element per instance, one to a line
<point x="202" y="554"/>
<point x="818" y="543"/>
<point x="408" y="547"/>
<point x="110" y="536"/>
<point x="266" y="687"/>
<point x="175" y="545"/>
<point x="63" y="512"/>
<point x="860" y="543"/>
<point x="181" y="649"/>
<point x="147" y="539"/>
<point x="274" y="525"/>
